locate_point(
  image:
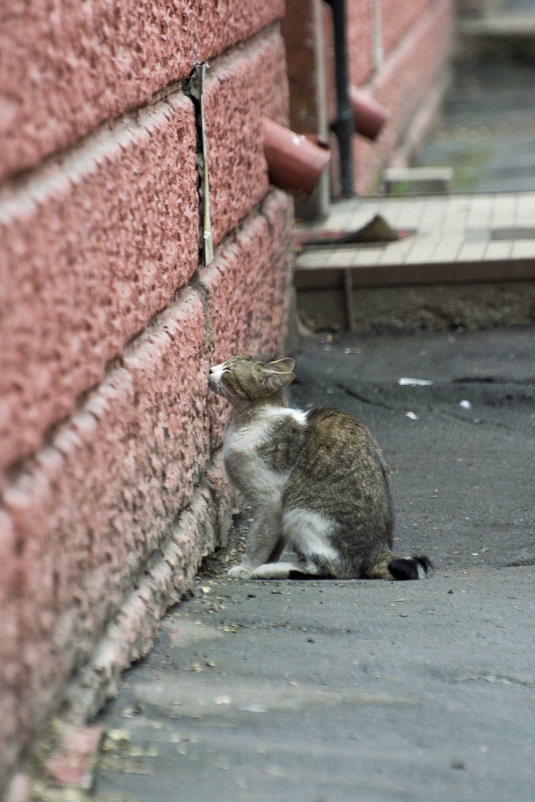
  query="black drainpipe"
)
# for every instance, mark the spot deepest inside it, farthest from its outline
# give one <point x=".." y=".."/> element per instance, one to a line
<point x="344" y="127"/>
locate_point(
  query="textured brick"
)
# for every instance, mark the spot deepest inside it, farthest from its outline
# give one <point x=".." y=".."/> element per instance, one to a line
<point x="72" y="762"/>
<point x="194" y="534"/>
<point x="90" y="252"/>
<point x="278" y="211"/>
<point x="250" y="267"/>
<point x="113" y="485"/>
<point x="102" y="497"/>
<point x="128" y="635"/>
<point x="299" y="29"/>
<point x="254" y="267"/>
<point x="409" y="74"/>
<point x="359" y="41"/>
<point x="65" y="67"/>
<point x="241" y="89"/>
<point x="403" y="86"/>
<point x="396" y="19"/>
<point x="170" y="379"/>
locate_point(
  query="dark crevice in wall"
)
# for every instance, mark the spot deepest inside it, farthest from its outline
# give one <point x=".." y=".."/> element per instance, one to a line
<point x="192" y="88"/>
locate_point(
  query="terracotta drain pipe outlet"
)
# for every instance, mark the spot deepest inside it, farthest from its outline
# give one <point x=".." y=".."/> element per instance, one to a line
<point x="295" y="161"/>
<point x="369" y="115"/>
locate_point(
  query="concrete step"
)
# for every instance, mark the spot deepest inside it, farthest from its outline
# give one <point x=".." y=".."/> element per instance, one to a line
<point x="449" y="243"/>
<point x="501" y="33"/>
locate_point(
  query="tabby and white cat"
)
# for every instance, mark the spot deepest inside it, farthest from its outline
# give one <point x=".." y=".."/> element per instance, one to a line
<point x="316" y="481"/>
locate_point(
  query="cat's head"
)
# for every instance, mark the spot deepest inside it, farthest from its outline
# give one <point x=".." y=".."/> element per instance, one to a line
<point x="244" y="379"/>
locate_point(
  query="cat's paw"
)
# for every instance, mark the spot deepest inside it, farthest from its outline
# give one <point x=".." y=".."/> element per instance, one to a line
<point x="240" y="572"/>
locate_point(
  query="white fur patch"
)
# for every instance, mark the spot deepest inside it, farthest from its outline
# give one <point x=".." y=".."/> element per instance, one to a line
<point x="245" y="439"/>
<point x="309" y="532"/>
<point x="260" y="484"/>
<point x="273" y="571"/>
<point x="216" y="372"/>
<point x="273" y="414"/>
<point x="422" y="572"/>
<point x="298" y="415"/>
<point x="240" y="572"/>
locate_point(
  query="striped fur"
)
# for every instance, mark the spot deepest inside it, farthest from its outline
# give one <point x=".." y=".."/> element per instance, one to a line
<point x="317" y="482"/>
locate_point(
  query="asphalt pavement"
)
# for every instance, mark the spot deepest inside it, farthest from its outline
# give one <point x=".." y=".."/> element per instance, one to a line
<point x="327" y="691"/>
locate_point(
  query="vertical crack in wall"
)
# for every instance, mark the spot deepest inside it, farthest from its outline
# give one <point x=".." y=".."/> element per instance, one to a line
<point x="194" y="89"/>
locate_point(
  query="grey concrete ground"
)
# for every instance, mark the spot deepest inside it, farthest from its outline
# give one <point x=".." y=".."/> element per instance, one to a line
<point x="327" y="691"/>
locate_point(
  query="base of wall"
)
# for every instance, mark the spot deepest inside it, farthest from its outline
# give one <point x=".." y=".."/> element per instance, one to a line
<point x="198" y="531"/>
<point x="168" y="578"/>
<point x="429" y="308"/>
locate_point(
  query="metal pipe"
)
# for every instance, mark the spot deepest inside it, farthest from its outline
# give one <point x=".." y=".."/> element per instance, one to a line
<point x="344" y="125"/>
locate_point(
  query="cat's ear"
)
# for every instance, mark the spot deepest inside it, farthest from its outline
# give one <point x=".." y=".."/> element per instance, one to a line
<point x="275" y="380"/>
<point x="285" y="365"/>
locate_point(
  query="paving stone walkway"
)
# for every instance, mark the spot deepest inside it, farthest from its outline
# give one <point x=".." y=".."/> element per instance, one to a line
<point x="453" y="238"/>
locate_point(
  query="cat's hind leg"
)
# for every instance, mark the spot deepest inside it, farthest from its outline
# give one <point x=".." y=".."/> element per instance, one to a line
<point x="278" y="570"/>
<point x="291" y="570"/>
<point x="304" y="532"/>
<point x="308" y="533"/>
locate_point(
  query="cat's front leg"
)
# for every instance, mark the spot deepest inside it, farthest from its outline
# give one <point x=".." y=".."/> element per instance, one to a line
<point x="264" y="543"/>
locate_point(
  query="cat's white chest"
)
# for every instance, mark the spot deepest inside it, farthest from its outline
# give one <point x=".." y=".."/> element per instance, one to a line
<point x="247" y="469"/>
<point x="245" y="439"/>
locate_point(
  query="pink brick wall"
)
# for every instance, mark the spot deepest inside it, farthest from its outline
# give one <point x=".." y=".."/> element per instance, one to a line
<point x="114" y="223"/>
<point x="415" y="41"/>
<point x="66" y="67"/>
<point x="397" y="19"/>
<point x="359" y="41"/>
<point x="238" y="94"/>
<point x="111" y="482"/>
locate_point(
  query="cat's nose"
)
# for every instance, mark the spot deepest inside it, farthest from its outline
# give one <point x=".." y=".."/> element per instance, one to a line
<point x="216" y="372"/>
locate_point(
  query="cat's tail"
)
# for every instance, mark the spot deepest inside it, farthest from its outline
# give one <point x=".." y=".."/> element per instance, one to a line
<point x="387" y="566"/>
<point x="416" y="567"/>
